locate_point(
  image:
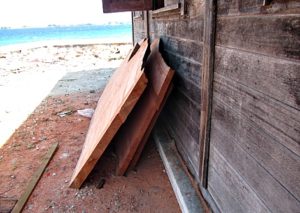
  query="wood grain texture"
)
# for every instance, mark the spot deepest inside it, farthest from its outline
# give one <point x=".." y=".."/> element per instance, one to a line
<point x="230" y="189"/>
<point x="243" y="7"/>
<point x="34" y="180"/>
<point x="277" y="36"/>
<point x="187" y="145"/>
<point x="184" y="116"/>
<point x="116" y="102"/>
<point x="186" y="48"/>
<point x="273" y="77"/>
<point x="188" y="29"/>
<point x="279" y="161"/>
<point x="182" y="39"/>
<point x="184" y="142"/>
<point x="146" y="136"/>
<point x="206" y="86"/>
<point x="268" y="189"/>
<point x="131" y="134"/>
<point x="278" y="120"/>
<point x="255" y="119"/>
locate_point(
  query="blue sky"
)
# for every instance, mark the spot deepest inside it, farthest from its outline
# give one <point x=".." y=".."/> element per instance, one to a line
<point x="18" y="13"/>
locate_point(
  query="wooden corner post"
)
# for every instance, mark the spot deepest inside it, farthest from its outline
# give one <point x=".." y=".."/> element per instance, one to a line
<point x="207" y="86"/>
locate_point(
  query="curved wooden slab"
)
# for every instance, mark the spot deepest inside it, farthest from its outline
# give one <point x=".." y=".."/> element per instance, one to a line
<point x="117" y="100"/>
<point x="130" y="136"/>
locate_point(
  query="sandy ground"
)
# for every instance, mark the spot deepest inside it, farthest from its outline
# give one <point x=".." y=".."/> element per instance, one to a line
<point x="27" y="75"/>
<point x="43" y="82"/>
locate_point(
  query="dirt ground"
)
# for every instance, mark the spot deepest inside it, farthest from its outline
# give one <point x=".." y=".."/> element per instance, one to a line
<point x="147" y="189"/>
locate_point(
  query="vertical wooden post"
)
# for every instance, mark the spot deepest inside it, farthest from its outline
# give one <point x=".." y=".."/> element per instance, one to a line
<point x="206" y="86"/>
<point x="146" y="24"/>
<point x="132" y="27"/>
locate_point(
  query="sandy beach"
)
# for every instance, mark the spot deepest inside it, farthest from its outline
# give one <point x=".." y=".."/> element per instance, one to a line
<point x="29" y="72"/>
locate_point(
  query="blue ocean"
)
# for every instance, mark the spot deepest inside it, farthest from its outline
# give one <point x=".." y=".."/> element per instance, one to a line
<point x="55" y="33"/>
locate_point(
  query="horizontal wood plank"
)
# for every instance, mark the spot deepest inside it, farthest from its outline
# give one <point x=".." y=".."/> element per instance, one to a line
<point x="186" y="119"/>
<point x="273" y="77"/>
<point x="270" y="35"/>
<point x="185" y="68"/>
<point x="265" y="153"/>
<point x="269" y="190"/>
<point x="191" y="108"/>
<point x="240" y="7"/>
<point x="183" y="137"/>
<point x="190" y="29"/>
<point x="182" y="149"/>
<point x="186" y="48"/>
<point x="279" y="121"/>
<point x="235" y="194"/>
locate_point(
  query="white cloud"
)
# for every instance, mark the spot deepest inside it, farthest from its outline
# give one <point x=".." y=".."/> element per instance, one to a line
<point x="64" y="12"/>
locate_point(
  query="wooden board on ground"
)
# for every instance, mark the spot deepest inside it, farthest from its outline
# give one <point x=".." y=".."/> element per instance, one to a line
<point x="131" y="134"/>
<point x="117" y="100"/>
<point x="34" y="180"/>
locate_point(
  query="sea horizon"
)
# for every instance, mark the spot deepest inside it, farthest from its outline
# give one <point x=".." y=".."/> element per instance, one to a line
<point x="66" y="35"/>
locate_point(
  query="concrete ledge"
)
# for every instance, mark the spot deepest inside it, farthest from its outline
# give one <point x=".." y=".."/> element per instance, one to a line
<point x="185" y="193"/>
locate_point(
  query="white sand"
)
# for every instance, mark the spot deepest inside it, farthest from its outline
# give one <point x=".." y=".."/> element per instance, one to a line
<point x="29" y="72"/>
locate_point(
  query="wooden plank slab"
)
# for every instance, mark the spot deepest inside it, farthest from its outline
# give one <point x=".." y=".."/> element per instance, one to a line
<point x="134" y="129"/>
<point x="141" y="146"/>
<point x="117" y="100"/>
<point x="34" y="180"/>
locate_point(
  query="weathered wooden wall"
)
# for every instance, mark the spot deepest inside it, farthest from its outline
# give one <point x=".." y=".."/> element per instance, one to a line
<point x="140" y="25"/>
<point x="254" y="162"/>
<point x="254" y="158"/>
<point x="182" y="44"/>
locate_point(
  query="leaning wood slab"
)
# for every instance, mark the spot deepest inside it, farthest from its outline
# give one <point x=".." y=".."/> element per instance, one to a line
<point x="133" y="131"/>
<point x="141" y="146"/>
<point x="117" y="100"/>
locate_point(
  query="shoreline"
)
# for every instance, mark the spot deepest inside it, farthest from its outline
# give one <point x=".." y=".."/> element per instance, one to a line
<point x="65" y="43"/>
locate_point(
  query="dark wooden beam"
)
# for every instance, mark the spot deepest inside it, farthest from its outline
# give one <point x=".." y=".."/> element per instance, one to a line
<point x="132" y="27"/>
<point x="146" y="22"/>
<point x="206" y="86"/>
<point x="112" y="6"/>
